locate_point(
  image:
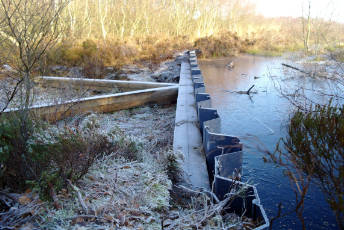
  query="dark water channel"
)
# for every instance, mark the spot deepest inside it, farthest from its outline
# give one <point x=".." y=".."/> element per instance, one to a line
<point x="259" y="121"/>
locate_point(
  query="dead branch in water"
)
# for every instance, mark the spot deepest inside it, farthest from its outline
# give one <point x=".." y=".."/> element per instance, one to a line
<point x="295" y="68"/>
<point x="249" y="90"/>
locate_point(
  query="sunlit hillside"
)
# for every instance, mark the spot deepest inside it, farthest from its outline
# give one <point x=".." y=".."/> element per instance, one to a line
<point x="128" y="31"/>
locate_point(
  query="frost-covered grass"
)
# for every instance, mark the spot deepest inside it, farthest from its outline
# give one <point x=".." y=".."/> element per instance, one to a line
<point x="43" y="95"/>
<point x="129" y="192"/>
<point x="117" y="193"/>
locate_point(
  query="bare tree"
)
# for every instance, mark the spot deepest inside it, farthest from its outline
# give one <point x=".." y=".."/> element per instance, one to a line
<point x="28" y="29"/>
<point x="306" y="27"/>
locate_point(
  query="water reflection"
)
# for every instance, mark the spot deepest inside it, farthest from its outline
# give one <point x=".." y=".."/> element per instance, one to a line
<point x="259" y="121"/>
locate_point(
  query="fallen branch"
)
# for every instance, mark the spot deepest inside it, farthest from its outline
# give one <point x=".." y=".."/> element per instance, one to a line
<point x="249" y="90"/>
<point x="81" y="200"/>
<point x="198" y="218"/>
<point x="9" y="198"/>
<point x="244" y="92"/>
<point x="19" y="215"/>
<point x="88" y="217"/>
<point x="54" y="197"/>
<point x="208" y="193"/>
<point x="10" y="95"/>
<point x="295" y="68"/>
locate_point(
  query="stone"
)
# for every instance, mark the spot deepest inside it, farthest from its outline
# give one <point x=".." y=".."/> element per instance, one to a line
<point x="111" y="76"/>
<point x="122" y="76"/>
<point x="167" y="76"/>
<point x="75" y="72"/>
<point x="109" y="69"/>
<point x="131" y="69"/>
<point x="116" y="76"/>
<point x="140" y="77"/>
<point x="58" y="68"/>
<point x="180" y="59"/>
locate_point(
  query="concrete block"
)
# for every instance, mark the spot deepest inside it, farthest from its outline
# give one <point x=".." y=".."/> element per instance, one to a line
<point x="202" y="97"/>
<point x="187" y="136"/>
<point x="195" y="71"/>
<point x="197" y="78"/>
<point x="204" y="104"/>
<point x="198" y="84"/>
<point x="200" y="90"/>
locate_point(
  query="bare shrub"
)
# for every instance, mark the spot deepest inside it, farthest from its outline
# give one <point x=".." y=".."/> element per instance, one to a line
<point x="224" y="44"/>
<point x="48" y="157"/>
<point x="313" y="151"/>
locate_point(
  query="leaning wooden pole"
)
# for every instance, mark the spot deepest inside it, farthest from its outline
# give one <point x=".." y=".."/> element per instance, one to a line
<point x="104" y="103"/>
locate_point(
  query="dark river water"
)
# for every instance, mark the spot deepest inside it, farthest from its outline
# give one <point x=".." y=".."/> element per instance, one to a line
<point x="259" y="121"/>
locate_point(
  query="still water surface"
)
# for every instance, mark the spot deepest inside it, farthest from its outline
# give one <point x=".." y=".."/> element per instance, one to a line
<point x="259" y="121"/>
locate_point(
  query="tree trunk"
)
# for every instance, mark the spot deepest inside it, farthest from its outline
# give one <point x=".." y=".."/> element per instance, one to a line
<point x="307" y="28"/>
<point x="27" y="88"/>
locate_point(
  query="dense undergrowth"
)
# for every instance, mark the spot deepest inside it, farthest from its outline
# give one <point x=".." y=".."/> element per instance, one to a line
<point x="115" y="52"/>
<point x="96" y="54"/>
<point x="100" y="176"/>
<point x="43" y="157"/>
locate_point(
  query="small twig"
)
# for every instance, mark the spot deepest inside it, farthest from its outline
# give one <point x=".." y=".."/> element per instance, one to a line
<point x="200" y="192"/>
<point x="11" y="96"/>
<point x="54" y="197"/>
<point x="81" y="200"/>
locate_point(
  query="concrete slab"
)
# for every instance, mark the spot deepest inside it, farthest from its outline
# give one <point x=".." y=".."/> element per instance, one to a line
<point x="187" y="136"/>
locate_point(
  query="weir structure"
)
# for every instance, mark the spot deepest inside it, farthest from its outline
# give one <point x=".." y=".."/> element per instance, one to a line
<point x="210" y="157"/>
<point x="212" y="161"/>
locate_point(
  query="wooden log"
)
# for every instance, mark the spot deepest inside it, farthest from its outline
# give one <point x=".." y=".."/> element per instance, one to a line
<point x="98" y="84"/>
<point x="105" y="103"/>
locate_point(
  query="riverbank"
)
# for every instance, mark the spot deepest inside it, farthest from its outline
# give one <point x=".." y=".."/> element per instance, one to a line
<point x="134" y="186"/>
<point x="131" y="191"/>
